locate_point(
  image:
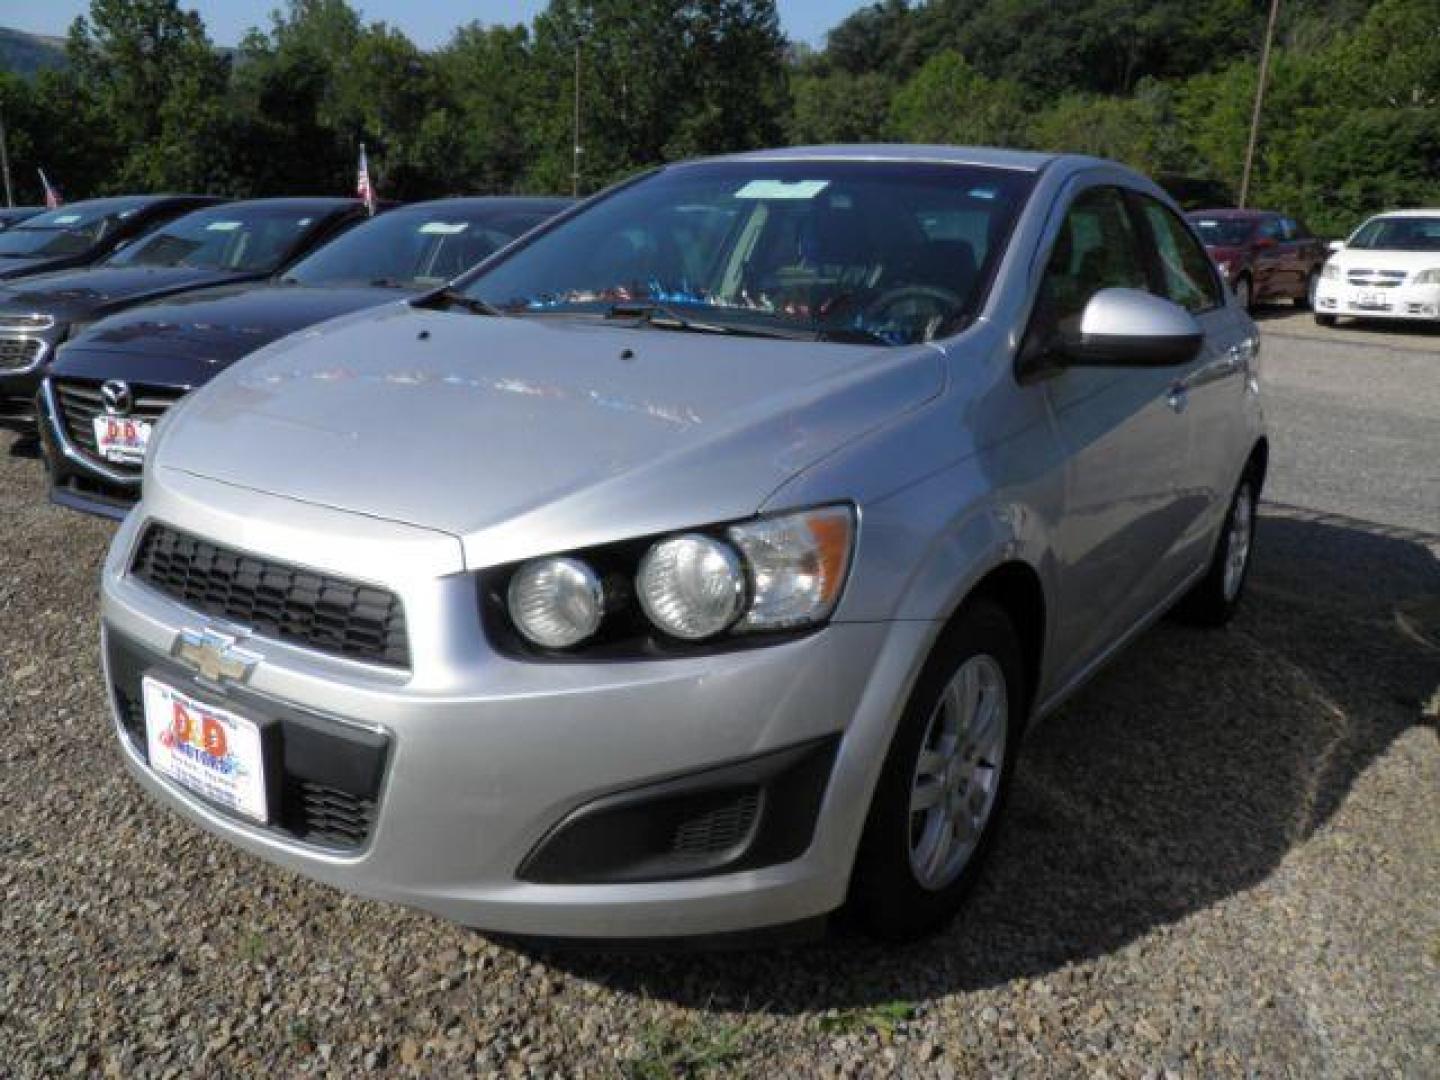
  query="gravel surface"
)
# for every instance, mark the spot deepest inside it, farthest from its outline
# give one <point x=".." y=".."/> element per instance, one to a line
<point x="1223" y="859"/>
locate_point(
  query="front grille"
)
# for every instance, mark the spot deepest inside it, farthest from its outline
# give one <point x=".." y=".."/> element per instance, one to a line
<point x="718" y="828"/>
<point x="330" y="773"/>
<point x="1376" y="279"/>
<point x="331" y="615"/>
<point x="17" y="353"/>
<point x="79" y="403"/>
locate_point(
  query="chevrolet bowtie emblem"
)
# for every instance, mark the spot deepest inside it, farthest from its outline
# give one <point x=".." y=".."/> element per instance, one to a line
<point x="214" y="655"/>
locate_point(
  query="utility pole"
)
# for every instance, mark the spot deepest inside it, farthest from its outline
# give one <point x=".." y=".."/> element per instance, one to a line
<point x="575" y="166"/>
<point x="5" y="164"/>
<point x="1259" y="104"/>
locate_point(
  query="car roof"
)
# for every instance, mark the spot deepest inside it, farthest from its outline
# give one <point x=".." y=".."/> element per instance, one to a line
<point x="1239" y="215"/>
<point x="127" y="202"/>
<point x="1024" y="160"/>
<point x="480" y="203"/>
<point x="313" y="204"/>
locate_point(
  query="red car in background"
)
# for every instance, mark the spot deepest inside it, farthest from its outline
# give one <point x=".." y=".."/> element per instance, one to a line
<point x="1263" y="255"/>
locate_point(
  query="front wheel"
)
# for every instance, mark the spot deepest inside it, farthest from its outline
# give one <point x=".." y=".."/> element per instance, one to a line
<point x="1212" y="602"/>
<point x="1306" y="301"/>
<point x="943" y="784"/>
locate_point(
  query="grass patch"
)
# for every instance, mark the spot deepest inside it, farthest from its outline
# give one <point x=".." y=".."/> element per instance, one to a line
<point x="882" y="1019"/>
<point x="686" y="1048"/>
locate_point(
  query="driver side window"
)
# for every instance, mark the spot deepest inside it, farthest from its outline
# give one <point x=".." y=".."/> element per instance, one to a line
<point x="1096" y="249"/>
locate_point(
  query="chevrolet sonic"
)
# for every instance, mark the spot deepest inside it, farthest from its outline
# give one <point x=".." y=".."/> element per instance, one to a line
<point x="696" y="565"/>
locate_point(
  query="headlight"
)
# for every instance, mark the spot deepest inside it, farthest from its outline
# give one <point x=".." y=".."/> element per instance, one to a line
<point x="798" y="564"/>
<point x="767" y="575"/>
<point x="1428" y="277"/>
<point x="556" y="603"/>
<point x="692" y="587"/>
<point x="1330" y="271"/>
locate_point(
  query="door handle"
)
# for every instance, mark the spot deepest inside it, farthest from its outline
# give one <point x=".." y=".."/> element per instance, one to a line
<point x="1178" y="398"/>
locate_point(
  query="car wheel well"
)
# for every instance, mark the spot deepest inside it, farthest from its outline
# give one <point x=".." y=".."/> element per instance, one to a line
<point x="1014" y="587"/>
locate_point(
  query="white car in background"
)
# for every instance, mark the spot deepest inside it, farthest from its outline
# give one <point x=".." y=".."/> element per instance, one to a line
<point x="1388" y="269"/>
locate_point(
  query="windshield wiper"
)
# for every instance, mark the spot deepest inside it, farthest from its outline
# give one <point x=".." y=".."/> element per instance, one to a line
<point x="451" y="297"/>
<point x="664" y="317"/>
<point x="850" y="335"/>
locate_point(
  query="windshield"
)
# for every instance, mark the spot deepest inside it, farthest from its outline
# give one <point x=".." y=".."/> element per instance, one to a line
<point x="243" y="239"/>
<point x="71" y="230"/>
<point x="413" y="248"/>
<point x="1223" y="232"/>
<point x="1398" y="234"/>
<point x="896" y="252"/>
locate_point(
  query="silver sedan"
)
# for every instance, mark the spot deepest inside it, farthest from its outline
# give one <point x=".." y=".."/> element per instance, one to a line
<point x="695" y="564"/>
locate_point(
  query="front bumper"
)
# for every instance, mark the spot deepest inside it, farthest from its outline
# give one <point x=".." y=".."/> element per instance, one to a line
<point x="1337" y="297"/>
<point x="23" y="360"/>
<point x="78" y="481"/>
<point x="486" y="756"/>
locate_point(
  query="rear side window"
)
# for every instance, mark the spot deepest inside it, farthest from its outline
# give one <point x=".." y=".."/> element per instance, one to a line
<point x="1186" y="274"/>
<point x="1096" y="249"/>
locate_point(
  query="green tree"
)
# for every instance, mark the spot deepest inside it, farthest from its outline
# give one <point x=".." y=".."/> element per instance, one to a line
<point x="948" y="101"/>
<point x="140" y="70"/>
<point x="659" y="79"/>
<point x="840" y="108"/>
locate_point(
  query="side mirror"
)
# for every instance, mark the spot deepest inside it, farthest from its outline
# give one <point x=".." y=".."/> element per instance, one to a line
<point x="1336" y="245"/>
<point x="1131" y="328"/>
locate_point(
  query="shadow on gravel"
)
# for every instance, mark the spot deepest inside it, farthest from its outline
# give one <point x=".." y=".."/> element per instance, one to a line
<point x="1183" y="775"/>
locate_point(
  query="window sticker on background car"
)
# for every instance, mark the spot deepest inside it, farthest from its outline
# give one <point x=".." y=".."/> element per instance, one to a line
<point x="67" y="219"/>
<point x="444" y="228"/>
<point x="222" y="226"/>
<point x="782" y="189"/>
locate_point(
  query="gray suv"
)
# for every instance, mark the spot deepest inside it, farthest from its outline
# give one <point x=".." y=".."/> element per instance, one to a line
<point x="695" y="564"/>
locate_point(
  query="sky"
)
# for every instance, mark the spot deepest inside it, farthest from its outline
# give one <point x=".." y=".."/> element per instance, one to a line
<point x="427" y="22"/>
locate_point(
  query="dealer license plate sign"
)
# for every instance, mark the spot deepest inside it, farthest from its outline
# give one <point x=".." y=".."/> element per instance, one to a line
<point x="213" y="752"/>
<point x="1371" y="300"/>
<point x="121" y="440"/>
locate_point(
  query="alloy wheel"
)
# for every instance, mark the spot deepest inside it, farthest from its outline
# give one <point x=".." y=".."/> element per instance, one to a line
<point x="1237" y="541"/>
<point x="957" y="776"/>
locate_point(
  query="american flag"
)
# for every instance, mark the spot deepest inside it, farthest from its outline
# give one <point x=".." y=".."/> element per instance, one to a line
<point x="364" y="188"/>
<point x="52" y="193"/>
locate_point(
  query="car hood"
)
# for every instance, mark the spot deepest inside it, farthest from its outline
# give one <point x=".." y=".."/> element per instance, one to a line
<point x="215" y="327"/>
<point x="1363" y="259"/>
<point x="518" y="433"/>
<point x="24" y="265"/>
<point x="94" y="291"/>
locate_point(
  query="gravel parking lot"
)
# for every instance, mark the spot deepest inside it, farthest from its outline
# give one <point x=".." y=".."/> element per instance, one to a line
<point x="1223" y="857"/>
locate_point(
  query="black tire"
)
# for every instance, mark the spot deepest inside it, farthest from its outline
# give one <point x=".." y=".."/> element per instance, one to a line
<point x="1306" y="300"/>
<point x="1245" y="293"/>
<point x="887" y="899"/>
<point x="1325" y="320"/>
<point x="1214" y="599"/>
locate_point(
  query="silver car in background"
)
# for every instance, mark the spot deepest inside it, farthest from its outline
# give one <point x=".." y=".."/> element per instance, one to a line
<point x="695" y="565"/>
